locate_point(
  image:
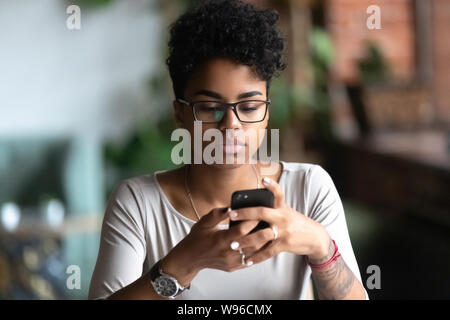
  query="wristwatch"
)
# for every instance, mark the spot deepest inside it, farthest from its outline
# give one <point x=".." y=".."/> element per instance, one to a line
<point x="164" y="284"/>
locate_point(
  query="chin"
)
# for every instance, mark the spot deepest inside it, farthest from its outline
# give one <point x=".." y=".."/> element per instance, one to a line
<point x="227" y="166"/>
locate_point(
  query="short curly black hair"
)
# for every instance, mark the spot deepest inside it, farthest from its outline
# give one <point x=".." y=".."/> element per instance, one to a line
<point x="225" y="28"/>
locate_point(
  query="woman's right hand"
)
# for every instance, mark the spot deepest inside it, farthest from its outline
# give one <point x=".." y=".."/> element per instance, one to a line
<point x="207" y="246"/>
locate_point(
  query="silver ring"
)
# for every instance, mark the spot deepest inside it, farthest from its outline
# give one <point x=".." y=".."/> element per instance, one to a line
<point x="275" y="232"/>
<point x="242" y="258"/>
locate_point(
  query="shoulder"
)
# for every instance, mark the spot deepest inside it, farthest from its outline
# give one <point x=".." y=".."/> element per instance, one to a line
<point x="137" y="184"/>
<point x="312" y="180"/>
<point x="132" y="200"/>
<point x="322" y="201"/>
<point x="297" y="167"/>
<point x="308" y="172"/>
<point x="147" y="190"/>
<point x="134" y="191"/>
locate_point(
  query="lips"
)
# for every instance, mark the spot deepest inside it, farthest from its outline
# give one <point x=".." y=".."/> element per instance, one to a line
<point x="233" y="144"/>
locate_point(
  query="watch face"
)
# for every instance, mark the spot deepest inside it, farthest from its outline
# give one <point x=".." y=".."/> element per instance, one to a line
<point x="165" y="286"/>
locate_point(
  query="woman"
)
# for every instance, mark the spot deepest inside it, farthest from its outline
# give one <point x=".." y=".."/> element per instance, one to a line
<point x="166" y="235"/>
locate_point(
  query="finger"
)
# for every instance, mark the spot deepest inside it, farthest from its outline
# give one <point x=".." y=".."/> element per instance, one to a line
<point x="278" y="193"/>
<point x="238" y="231"/>
<point x="238" y="265"/>
<point x="250" y="251"/>
<point x="268" y="251"/>
<point x="256" y="240"/>
<point x="254" y="213"/>
<point x="214" y="217"/>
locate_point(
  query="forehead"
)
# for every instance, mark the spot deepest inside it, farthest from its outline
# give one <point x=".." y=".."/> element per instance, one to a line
<point x="224" y="77"/>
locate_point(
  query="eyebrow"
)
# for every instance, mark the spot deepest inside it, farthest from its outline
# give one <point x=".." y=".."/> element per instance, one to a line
<point x="213" y="94"/>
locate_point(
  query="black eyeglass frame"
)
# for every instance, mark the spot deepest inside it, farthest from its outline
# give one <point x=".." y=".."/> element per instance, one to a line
<point x="229" y="105"/>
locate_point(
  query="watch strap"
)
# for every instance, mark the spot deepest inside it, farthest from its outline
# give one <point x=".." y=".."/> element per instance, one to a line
<point x="156" y="272"/>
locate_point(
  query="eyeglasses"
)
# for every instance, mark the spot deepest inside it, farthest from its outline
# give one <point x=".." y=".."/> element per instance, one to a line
<point x="248" y="111"/>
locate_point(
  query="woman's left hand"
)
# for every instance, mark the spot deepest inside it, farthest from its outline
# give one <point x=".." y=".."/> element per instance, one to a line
<point x="297" y="233"/>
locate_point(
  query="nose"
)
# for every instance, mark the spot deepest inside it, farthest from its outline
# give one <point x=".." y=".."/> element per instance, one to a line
<point x="230" y="120"/>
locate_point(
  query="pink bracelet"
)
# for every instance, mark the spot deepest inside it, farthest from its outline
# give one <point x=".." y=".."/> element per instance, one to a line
<point x="336" y="255"/>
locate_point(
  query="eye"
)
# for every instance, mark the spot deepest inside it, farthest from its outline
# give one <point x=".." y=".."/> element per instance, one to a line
<point x="208" y="106"/>
<point x="247" y="109"/>
<point x="250" y="106"/>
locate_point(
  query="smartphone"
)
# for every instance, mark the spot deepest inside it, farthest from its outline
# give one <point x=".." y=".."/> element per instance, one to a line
<point x="252" y="198"/>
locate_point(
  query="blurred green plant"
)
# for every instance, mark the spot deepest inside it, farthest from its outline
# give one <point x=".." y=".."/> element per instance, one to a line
<point x="291" y="102"/>
<point x="373" y="68"/>
<point x="149" y="147"/>
<point x="90" y="4"/>
<point x="309" y="106"/>
<point x="286" y="102"/>
<point x="322" y="55"/>
<point x="146" y="151"/>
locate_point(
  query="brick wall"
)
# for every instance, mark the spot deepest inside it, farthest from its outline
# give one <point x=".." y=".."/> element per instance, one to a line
<point x="441" y="59"/>
<point x="346" y="21"/>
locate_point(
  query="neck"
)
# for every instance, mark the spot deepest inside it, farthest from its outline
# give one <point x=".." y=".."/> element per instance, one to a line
<point x="215" y="185"/>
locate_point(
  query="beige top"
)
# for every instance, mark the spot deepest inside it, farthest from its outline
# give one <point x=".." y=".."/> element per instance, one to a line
<point x="141" y="226"/>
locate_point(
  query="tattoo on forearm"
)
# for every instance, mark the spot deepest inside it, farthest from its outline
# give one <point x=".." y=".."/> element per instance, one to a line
<point x="335" y="281"/>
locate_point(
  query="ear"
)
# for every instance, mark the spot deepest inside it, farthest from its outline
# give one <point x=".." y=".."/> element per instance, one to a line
<point x="178" y="110"/>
